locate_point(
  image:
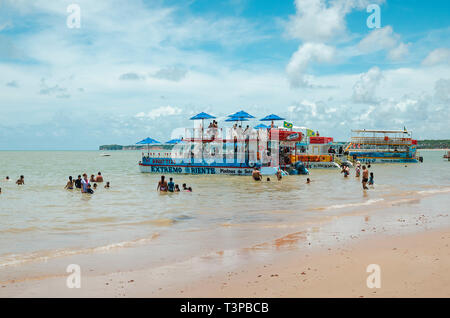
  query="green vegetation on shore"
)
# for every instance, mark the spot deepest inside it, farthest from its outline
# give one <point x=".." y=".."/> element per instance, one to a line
<point x="433" y="144"/>
<point x="421" y="144"/>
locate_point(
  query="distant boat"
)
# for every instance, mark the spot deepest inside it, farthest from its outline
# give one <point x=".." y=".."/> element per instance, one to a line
<point x="105" y="155"/>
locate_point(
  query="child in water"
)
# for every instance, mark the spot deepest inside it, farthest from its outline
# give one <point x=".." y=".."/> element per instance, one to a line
<point x="107" y="185"/>
<point x="89" y="190"/>
<point x="371" y="179"/>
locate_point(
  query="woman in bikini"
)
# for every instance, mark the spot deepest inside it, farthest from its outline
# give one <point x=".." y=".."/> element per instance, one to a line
<point x="69" y="185"/>
<point x="162" y="185"/>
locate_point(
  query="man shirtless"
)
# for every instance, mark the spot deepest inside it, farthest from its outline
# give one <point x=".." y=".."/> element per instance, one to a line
<point x="256" y="174"/>
<point x="365" y="177"/>
<point x="162" y="185"/>
<point x="99" y="177"/>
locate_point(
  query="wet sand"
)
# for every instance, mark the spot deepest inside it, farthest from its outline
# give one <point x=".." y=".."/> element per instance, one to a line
<point x="412" y="265"/>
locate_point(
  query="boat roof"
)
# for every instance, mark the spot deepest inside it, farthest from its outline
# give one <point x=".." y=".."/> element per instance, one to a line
<point x="381" y="131"/>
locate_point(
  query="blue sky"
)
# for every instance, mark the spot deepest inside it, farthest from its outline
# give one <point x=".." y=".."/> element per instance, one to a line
<point x="142" y="68"/>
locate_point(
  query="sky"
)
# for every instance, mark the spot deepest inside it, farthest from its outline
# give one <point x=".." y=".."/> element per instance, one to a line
<point x="142" y="68"/>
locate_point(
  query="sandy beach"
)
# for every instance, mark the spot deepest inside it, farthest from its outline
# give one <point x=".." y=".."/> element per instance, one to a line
<point x="412" y="265"/>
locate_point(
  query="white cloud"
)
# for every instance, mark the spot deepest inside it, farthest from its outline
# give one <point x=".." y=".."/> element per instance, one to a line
<point x="379" y="39"/>
<point x="365" y="88"/>
<point x="442" y="90"/>
<point x="399" y="52"/>
<point x="160" y="112"/>
<point x="305" y="55"/>
<point x="320" y="21"/>
<point x="438" y="56"/>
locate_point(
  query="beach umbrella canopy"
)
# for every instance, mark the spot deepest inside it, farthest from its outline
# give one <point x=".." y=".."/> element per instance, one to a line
<point x="241" y="114"/>
<point x="174" y="141"/>
<point x="236" y="119"/>
<point x="271" y="117"/>
<point x="148" y="141"/>
<point x="202" y="115"/>
<point x="261" y="126"/>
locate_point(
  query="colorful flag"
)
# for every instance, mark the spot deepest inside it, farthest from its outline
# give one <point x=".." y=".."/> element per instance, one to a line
<point x="310" y="133"/>
<point x="287" y="125"/>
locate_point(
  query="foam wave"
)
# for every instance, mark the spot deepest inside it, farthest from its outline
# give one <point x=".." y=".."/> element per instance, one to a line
<point x="350" y="205"/>
<point x="44" y="256"/>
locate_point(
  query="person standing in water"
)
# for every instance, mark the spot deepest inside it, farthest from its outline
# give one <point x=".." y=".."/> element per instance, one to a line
<point x="99" y="177"/>
<point x="256" y="174"/>
<point x="279" y="174"/>
<point x="69" y="185"/>
<point x="171" y="185"/>
<point x="365" y="177"/>
<point x="162" y="185"/>
<point x="371" y="179"/>
<point x="78" y="182"/>
<point x="84" y="183"/>
<point x="358" y="169"/>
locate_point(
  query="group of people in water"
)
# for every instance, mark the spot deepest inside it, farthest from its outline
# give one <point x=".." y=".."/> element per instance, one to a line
<point x="367" y="177"/>
<point x="20" y="181"/>
<point x="84" y="183"/>
<point x="164" y="186"/>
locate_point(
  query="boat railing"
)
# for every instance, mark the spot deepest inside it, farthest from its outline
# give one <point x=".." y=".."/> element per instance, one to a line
<point x="381" y="141"/>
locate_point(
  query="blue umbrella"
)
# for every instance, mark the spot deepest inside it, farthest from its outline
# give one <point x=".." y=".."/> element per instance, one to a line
<point x="241" y="114"/>
<point x="174" y="141"/>
<point x="271" y="117"/>
<point x="236" y="119"/>
<point x="202" y="116"/>
<point x="148" y="141"/>
<point x="261" y="126"/>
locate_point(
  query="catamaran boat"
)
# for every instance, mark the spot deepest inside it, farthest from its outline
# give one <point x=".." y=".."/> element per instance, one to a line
<point x="233" y="151"/>
<point x="383" y="146"/>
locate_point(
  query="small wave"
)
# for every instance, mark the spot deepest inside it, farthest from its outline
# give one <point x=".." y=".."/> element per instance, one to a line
<point x="103" y="219"/>
<point x="433" y="191"/>
<point x="156" y="222"/>
<point x="44" y="256"/>
<point x="350" y="205"/>
<point x="20" y="229"/>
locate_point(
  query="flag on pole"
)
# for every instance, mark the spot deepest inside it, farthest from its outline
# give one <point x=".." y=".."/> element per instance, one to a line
<point x="287" y="125"/>
<point x="310" y="133"/>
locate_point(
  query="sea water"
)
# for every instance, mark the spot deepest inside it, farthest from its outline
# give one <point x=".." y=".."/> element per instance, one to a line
<point x="44" y="227"/>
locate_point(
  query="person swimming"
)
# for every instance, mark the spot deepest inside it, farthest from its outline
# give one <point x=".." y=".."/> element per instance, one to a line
<point x="162" y="185"/>
<point x="92" y="178"/>
<point x="21" y="180"/>
<point x="171" y="185"/>
<point x="95" y="186"/>
<point x="308" y="180"/>
<point x="184" y="187"/>
<point x="268" y="179"/>
<point x="189" y="189"/>
<point x="177" y="188"/>
<point x="7" y="178"/>
<point x="69" y="185"/>
<point x="256" y="174"/>
<point x="107" y="185"/>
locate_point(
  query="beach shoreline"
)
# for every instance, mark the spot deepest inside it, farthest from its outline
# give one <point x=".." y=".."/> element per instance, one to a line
<point x="412" y="265"/>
